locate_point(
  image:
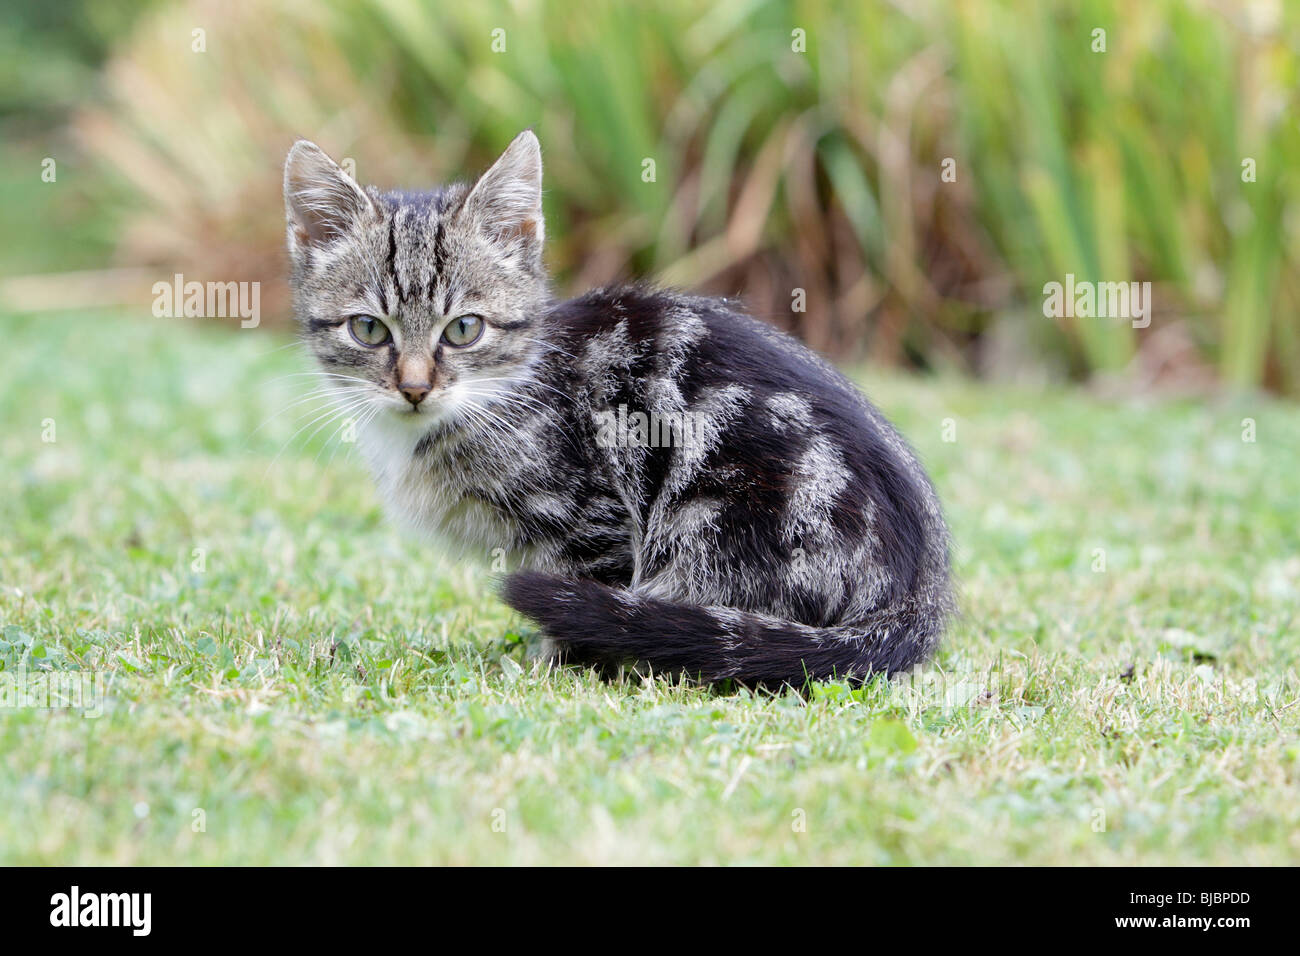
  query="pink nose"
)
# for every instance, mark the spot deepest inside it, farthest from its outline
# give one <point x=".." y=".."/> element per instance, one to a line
<point x="414" y="391"/>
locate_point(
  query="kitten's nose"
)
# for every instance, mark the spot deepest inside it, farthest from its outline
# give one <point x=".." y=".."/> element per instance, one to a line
<point x="414" y="391"/>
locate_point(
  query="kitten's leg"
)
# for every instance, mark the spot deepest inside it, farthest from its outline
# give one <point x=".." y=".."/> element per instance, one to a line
<point x="549" y="651"/>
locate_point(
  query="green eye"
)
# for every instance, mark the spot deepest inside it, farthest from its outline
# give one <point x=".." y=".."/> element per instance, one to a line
<point x="368" y="330"/>
<point x="463" y="331"/>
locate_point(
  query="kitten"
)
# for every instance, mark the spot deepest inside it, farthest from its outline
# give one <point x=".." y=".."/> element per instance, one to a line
<point x="683" y="486"/>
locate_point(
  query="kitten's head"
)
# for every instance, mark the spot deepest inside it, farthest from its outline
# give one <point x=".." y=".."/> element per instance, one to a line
<point x="421" y="302"/>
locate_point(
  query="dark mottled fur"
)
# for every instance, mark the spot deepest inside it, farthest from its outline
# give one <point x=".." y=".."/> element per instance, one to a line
<point x="794" y="536"/>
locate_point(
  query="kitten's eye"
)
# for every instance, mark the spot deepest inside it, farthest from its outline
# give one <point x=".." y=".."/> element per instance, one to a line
<point x="368" y="330"/>
<point x="463" y="331"/>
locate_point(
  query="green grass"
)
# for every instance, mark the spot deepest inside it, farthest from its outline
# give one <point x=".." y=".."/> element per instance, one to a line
<point x="327" y="691"/>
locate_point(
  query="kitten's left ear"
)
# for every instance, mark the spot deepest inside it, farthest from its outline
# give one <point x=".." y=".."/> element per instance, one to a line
<point x="321" y="202"/>
<point x="506" y="202"/>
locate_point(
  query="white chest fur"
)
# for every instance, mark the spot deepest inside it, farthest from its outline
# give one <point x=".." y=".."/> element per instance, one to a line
<point x="421" y="492"/>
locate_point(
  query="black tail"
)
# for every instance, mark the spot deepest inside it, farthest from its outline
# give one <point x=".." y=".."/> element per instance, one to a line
<point x="598" y="624"/>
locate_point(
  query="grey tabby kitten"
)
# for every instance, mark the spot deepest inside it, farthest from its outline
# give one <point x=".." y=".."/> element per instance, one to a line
<point x="682" y="485"/>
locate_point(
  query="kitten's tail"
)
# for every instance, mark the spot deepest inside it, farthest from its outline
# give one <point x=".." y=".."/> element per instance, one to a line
<point x="602" y="625"/>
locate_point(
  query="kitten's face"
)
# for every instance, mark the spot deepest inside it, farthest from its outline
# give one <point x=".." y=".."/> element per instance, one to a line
<point x="418" y="306"/>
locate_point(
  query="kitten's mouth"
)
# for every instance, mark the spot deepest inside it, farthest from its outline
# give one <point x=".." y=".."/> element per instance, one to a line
<point x="406" y="408"/>
<point x="428" y="411"/>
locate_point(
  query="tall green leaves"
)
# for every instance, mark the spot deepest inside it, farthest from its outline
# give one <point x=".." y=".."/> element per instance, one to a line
<point x="787" y="151"/>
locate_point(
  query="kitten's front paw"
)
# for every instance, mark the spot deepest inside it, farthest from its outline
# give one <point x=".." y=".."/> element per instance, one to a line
<point x="547" y="649"/>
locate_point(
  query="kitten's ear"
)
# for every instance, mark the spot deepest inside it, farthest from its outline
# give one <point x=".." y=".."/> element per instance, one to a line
<point x="321" y="201"/>
<point x="506" y="202"/>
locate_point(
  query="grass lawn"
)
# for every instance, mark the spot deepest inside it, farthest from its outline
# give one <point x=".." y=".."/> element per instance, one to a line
<point x="309" y="686"/>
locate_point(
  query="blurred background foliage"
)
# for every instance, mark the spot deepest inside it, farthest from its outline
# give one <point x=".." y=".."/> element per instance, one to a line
<point x="775" y="168"/>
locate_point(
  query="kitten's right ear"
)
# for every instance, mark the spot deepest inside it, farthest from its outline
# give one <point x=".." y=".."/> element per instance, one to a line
<point x="321" y="202"/>
<point x="506" y="202"/>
